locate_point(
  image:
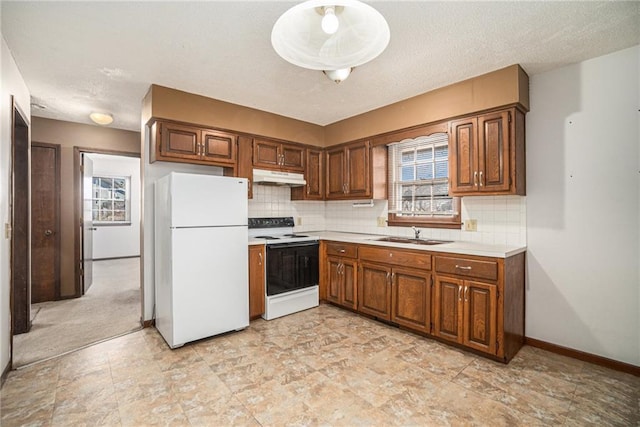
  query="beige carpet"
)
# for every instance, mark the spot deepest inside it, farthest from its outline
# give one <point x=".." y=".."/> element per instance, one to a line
<point x="110" y="308"/>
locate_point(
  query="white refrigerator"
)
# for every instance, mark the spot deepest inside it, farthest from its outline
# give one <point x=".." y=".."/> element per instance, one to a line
<point x="201" y="256"/>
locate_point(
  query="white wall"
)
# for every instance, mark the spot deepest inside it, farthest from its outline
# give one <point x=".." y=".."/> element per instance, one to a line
<point x="117" y="241"/>
<point x="12" y="83"/>
<point x="583" y="207"/>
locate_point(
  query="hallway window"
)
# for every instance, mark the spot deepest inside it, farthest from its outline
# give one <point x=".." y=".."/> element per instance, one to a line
<point x="111" y="201"/>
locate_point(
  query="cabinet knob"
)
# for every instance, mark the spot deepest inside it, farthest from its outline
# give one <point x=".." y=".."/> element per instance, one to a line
<point x="342" y="251"/>
<point x="48" y="233"/>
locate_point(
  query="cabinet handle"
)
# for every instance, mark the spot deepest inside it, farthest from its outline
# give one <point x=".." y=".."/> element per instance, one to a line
<point x="393" y="278"/>
<point x="475" y="178"/>
<point x="260" y="257"/>
<point x="481" y="179"/>
<point x="339" y="268"/>
<point x="388" y="277"/>
<point x="459" y="293"/>
<point x="466" y="293"/>
<point x="202" y="149"/>
<point x="342" y="251"/>
<point x="308" y="189"/>
<point x="460" y="267"/>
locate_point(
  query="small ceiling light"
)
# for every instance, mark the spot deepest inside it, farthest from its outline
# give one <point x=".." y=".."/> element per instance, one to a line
<point x="328" y="35"/>
<point x="338" y="75"/>
<point x="103" y="119"/>
<point x="330" y="21"/>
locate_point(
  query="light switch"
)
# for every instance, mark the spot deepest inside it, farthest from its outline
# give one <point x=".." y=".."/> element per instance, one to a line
<point x="471" y="225"/>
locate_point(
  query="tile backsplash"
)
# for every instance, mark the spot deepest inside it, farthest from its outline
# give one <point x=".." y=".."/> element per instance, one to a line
<point x="501" y="219"/>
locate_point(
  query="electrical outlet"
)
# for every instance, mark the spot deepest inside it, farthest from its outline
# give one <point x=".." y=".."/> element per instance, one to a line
<point x="471" y="225"/>
<point x="382" y="221"/>
<point x="299" y="221"/>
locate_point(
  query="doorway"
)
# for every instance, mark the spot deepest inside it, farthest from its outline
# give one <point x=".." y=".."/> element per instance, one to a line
<point x="19" y="228"/>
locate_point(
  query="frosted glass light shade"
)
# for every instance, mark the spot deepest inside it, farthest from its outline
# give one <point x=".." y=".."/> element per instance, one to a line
<point x="338" y="75"/>
<point x="101" y="118"/>
<point x="362" y="35"/>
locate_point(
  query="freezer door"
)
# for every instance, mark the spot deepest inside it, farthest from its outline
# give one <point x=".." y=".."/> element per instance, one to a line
<point x="210" y="285"/>
<point x="207" y="200"/>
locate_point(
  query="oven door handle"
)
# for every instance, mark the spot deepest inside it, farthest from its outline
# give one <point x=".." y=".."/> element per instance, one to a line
<point x="292" y="245"/>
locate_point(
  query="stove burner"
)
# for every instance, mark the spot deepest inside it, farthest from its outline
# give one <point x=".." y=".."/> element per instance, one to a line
<point x="267" y="237"/>
<point x="295" y="235"/>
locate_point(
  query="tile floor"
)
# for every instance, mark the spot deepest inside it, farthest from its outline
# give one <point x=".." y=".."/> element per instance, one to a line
<point x="324" y="366"/>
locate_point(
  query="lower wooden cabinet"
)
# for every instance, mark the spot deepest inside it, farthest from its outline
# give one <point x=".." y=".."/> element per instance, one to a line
<point x="465" y="312"/>
<point x="256" y="281"/>
<point x="476" y="302"/>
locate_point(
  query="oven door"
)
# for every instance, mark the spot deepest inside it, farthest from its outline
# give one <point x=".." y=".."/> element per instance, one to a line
<point x="291" y="266"/>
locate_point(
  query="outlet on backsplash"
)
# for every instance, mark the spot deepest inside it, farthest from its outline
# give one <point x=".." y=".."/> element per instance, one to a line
<point x="382" y="221"/>
<point x="471" y="225"/>
<point x="299" y="221"/>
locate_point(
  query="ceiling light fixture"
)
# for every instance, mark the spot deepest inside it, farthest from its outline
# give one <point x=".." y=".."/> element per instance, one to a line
<point x="332" y="36"/>
<point x="103" y="119"/>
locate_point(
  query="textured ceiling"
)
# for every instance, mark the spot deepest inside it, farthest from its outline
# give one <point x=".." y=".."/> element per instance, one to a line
<point x="77" y="57"/>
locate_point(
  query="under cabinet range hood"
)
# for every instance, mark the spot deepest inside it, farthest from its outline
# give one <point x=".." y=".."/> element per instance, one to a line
<point x="268" y="177"/>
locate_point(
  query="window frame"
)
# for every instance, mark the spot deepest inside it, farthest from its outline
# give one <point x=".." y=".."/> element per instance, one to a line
<point x="126" y="200"/>
<point x="393" y="219"/>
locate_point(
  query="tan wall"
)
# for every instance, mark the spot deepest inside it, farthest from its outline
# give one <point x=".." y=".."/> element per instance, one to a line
<point x="187" y="107"/>
<point x="502" y="87"/>
<point x="69" y="135"/>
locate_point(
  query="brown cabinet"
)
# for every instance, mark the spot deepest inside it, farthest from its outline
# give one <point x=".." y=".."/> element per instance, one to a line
<point x="277" y="155"/>
<point x="245" y="162"/>
<point x="341" y="274"/>
<point x="392" y="291"/>
<point x="256" y="280"/>
<point x="177" y="142"/>
<point x="356" y="171"/>
<point x="465" y="312"/>
<point x="313" y="174"/>
<point x="486" y="154"/>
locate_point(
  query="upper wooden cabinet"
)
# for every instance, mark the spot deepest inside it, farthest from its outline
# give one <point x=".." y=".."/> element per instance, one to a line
<point x="278" y="155"/>
<point x="486" y="154"/>
<point x="176" y="142"/>
<point x="356" y="171"/>
<point x="313" y="174"/>
<point x="245" y="164"/>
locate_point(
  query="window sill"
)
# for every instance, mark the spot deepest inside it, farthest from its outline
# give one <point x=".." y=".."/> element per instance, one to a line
<point x="413" y="222"/>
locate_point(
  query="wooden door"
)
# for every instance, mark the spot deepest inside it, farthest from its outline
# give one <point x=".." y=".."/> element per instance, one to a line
<point x="493" y="151"/>
<point x="266" y="154"/>
<point x="479" y="331"/>
<point x="349" y="284"/>
<point x="219" y="147"/>
<point x="335" y="177"/>
<point x="448" y="308"/>
<point x="334" y="272"/>
<point x="313" y="175"/>
<point x="358" y="174"/>
<point x="463" y="156"/>
<point x="179" y="141"/>
<point x="374" y="290"/>
<point x="19" y="201"/>
<point x="411" y="299"/>
<point x="45" y="222"/>
<point x="256" y="281"/>
<point x="292" y="158"/>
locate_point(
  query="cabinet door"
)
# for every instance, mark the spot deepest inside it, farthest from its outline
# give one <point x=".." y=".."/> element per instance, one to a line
<point x="179" y="141"/>
<point x="493" y="152"/>
<point x="266" y="154"/>
<point x="335" y="174"/>
<point x="219" y="147"/>
<point x="245" y="166"/>
<point x="349" y="283"/>
<point x="334" y="277"/>
<point x="463" y="158"/>
<point x="292" y="158"/>
<point x="256" y="280"/>
<point x="448" y="308"/>
<point x="313" y="175"/>
<point x="479" y="331"/>
<point x="374" y="290"/>
<point x="358" y="170"/>
<point x="411" y="299"/>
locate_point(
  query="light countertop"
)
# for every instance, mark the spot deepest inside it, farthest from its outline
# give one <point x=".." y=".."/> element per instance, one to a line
<point x="456" y="247"/>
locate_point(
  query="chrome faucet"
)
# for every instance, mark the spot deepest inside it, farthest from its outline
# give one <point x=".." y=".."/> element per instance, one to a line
<point x="416" y="231"/>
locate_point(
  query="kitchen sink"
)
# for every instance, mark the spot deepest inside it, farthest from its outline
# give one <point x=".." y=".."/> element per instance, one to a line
<point x="412" y="241"/>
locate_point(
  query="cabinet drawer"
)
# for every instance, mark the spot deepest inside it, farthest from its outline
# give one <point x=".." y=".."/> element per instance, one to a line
<point x="342" y="250"/>
<point x="467" y="267"/>
<point x="399" y="257"/>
